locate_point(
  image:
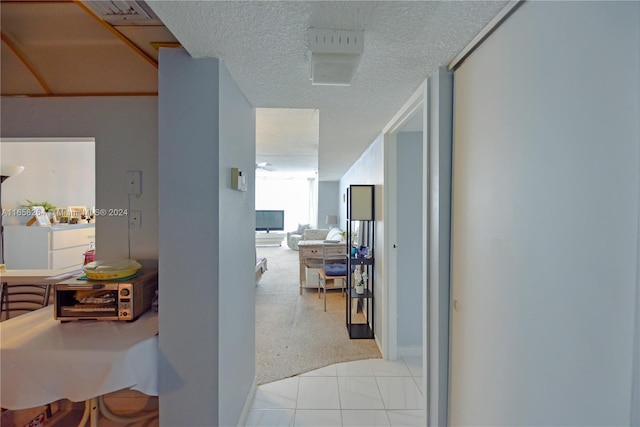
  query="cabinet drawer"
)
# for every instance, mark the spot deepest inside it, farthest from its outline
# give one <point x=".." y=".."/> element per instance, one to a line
<point x="72" y="237"/>
<point x="70" y="257"/>
<point x="313" y="252"/>
<point x="336" y="251"/>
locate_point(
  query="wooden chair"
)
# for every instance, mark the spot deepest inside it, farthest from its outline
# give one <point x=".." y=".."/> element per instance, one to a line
<point x="22" y="298"/>
<point x="334" y="266"/>
<point x="17" y="299"/>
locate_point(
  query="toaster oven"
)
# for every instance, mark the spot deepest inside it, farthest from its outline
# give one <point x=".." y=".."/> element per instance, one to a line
<point x="105" y="300"/>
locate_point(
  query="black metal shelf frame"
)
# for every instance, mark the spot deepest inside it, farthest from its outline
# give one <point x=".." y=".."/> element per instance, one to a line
<point x="360" y="316"/>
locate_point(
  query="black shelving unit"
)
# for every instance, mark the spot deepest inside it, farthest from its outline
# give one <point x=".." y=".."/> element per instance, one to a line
<point x="360" y="234"/>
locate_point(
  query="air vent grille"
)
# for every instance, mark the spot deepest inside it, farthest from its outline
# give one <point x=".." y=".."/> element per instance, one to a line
<point x="123" y="12"/>
<point x="336" y="41"/>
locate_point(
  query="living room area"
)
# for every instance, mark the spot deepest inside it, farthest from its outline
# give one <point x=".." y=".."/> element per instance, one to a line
<point x="294" y="333"/>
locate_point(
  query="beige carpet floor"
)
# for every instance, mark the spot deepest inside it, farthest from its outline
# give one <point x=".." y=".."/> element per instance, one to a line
<point x="293" y="332"/>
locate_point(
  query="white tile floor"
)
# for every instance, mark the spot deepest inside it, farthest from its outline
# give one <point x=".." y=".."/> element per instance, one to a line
<point x="364" y="393"/>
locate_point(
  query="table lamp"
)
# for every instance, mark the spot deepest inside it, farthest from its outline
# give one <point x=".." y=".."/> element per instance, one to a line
<point x="332" y="220"/>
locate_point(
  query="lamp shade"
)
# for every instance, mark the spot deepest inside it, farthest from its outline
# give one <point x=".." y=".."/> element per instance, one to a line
<point x="10" y="170"/>
<point x="332" y="219"/>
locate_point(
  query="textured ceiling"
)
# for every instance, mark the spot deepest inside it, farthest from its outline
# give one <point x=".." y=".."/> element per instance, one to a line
<point x="287" y="139"/>
<point x="264" y="46"/>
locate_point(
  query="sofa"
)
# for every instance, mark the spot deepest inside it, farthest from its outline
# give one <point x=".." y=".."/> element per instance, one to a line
<point x="315" y="234"/>
<point x="294" y="237"/>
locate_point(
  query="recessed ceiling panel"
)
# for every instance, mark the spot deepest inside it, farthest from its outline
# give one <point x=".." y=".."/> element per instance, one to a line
<point x="73" y="52"/>
<point x="83" y="70"/>
<point x="22" y="80"/>
<point x="143" y="36"/>
<point x="52" y="24"/>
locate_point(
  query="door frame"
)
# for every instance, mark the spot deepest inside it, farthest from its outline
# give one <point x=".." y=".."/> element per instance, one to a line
<point x="417" y="101"/>
<point x="435" y="97"/>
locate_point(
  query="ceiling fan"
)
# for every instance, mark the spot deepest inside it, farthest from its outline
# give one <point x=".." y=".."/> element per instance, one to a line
<point x="266" y="166"/>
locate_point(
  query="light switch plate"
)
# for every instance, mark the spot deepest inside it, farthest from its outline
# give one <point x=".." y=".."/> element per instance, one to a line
<point x="134" y="182"/>
<point x="135" y="219"/>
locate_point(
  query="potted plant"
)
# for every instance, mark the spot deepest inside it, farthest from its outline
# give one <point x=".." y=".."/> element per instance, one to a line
<point x="49" y="208"/>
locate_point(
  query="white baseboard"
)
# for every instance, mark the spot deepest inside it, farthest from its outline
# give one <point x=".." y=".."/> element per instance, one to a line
<point x="244" y="415"/>
<point x="412" y="350"/>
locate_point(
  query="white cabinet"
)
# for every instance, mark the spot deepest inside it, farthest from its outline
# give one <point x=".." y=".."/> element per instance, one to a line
<point x="271" y="238"/>
<point x="47" y="247"/>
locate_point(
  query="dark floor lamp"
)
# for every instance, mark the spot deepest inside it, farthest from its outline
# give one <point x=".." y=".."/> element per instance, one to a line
<point x="6" y="171"/>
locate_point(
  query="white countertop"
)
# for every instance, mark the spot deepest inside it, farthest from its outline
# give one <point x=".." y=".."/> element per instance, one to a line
<point x="55" y="227"/>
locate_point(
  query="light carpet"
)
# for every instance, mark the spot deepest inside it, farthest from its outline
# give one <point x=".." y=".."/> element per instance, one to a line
<point x="293" y="332"/>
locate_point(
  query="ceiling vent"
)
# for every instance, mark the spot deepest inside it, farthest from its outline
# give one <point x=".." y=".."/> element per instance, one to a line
<point x="127" y="12"/>
<point x="335" y="55"/>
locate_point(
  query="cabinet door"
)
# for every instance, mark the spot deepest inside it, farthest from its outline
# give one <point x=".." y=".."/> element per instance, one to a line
<point x="26" y="248"/>
<point x="69" y="257"/>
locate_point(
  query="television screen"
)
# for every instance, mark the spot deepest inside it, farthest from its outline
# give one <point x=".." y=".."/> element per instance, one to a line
<point x="269" y="220"/>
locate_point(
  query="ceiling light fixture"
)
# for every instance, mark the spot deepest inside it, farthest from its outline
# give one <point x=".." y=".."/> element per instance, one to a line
<point x="266" y="166"/>
<point x="334" y="56"/>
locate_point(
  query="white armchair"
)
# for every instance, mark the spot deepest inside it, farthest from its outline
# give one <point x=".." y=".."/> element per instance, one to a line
<point x="293" y="237"/>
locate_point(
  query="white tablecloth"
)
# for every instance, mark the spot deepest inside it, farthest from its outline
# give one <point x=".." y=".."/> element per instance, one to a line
<point x="43" y="360"/>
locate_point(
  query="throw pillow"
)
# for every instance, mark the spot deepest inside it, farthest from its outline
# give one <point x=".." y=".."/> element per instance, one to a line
<point x="335" y="269"/>
<point x="302" y="227"/>
<point x="334" y="234"/>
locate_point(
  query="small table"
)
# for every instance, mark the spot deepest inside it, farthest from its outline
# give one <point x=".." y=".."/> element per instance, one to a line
<point x="37" y="277"/>
<point x="310" y="254"/>
<point x="44" y="360"/>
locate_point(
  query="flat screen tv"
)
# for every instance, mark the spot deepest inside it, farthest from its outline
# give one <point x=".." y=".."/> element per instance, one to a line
<point x="269" y="220"/>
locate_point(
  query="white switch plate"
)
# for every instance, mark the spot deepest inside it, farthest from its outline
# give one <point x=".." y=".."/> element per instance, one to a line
<point x="134" y="182"/>
<point x="135" y="219"/>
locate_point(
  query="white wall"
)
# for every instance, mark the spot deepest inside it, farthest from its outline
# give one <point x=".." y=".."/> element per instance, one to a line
<point x="545" y="218"/>
<point x="369" y="169"/>
<point x="410" y="257"/>
<point x="237" y="252"/>
<point x="329" y="203"/>
<point x="207" y="256"/>
<point x="61" y="172"/>
<point x="189" y="267"/>
<point x="126" y="138"/>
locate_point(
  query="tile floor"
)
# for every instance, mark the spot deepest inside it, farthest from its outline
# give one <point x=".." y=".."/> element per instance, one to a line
<point x="369" y="393"/>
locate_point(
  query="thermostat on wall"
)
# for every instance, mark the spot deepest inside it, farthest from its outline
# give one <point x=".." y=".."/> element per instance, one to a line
<point x="238" y="180"/>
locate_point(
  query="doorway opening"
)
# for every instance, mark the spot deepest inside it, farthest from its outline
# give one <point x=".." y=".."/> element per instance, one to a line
<point x="59" y="175"/>
<point x="406" y="237"/>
